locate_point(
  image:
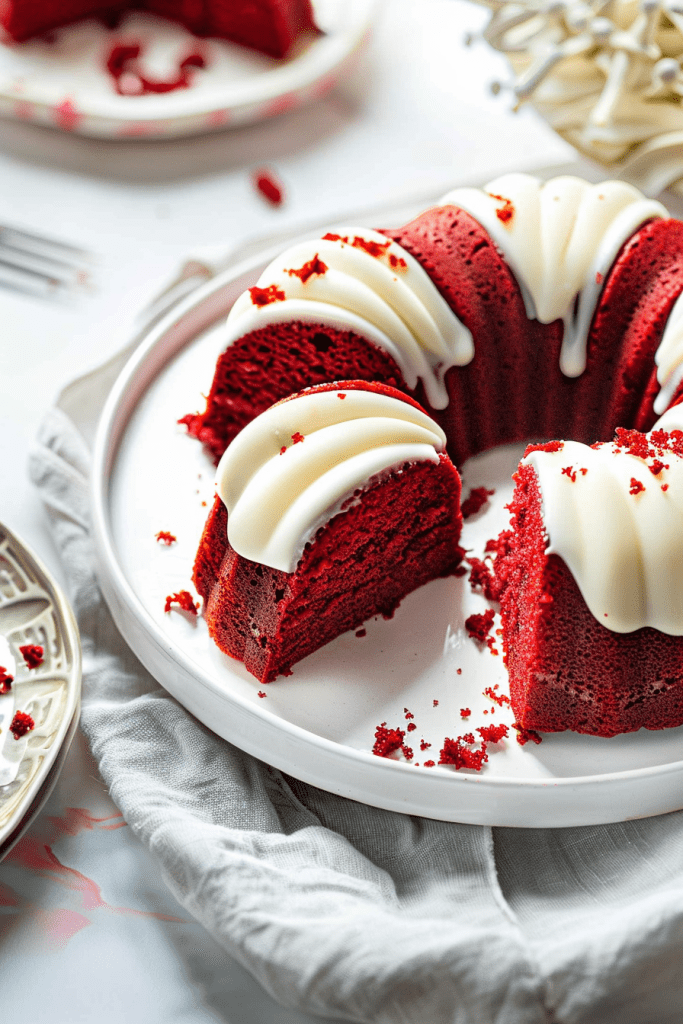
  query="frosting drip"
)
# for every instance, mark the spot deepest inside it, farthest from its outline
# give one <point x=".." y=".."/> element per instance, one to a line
<point x="560" y="239"/>
<point x="617" y="530"/>
<point x="357" y="279"/>
<point x="293" y="467"/>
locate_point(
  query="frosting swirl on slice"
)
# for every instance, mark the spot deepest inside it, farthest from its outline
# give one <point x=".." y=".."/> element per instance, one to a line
<point x="291" y="469"/>
<point x="615" y="520"/>
<point x="560" y="239"/>
<point x="357" y="279"/>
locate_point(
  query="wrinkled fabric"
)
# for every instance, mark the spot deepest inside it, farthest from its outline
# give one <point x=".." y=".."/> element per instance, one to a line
<point x="348" y="911"/>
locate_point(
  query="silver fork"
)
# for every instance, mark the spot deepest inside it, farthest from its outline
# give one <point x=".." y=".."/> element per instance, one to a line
<point x="41" y="266"/>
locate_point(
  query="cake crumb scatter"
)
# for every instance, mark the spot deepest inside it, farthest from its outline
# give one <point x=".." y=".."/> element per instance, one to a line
<point x="526" y="735"/>
<point x="424" y="745"/>
<point x="264" y="296"/>
<point x="498" y="698"/>
<point x="475" y="501"/>
<point x="570" y="472"/>
<point x="411" y="727"/>
<point x="33" y="654"/>
<point x="636" y="486"/>
<point x="460" y="756"/>
<point x="435" y="703"/>
<point x="493" y="733"/>
<point x="387" y="741"/>
<point x="478" y="626"/>
<point x="465" y="712"/>
<point x="313" y="268"/>
<point x="261" y="693"/>
<point x="6" y="680"/>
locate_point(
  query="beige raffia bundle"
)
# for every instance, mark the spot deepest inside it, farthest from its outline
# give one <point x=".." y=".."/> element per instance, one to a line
<point x="605" y="75"/>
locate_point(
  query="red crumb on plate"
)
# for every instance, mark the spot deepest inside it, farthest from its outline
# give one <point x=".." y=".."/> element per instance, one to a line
<point x="184" y="600"/>
<point x="164" y="537"/>
<point x="493" y="733"/>
<point x="261" y="693"/>
<point x="33" y="655"/>
<point x="465" y="712"/>
<point x="524" y="735"/>
<point x="476" y="500"/>
<point x="460" y="756"/>
<point x="499" y="698"/>
<point x="387" y="741"/>
<point x="6" y="680"/>
<point x="21" y="724"/>
<point x="478" y="626"/>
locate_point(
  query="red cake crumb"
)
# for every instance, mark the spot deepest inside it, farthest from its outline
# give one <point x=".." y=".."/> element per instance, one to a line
<point x="459" y="671"/>
<point x="297" y="438"/>
<point x="264" y="296"/>
<point x="314" y="268"/>
<point x="636" y="486"/>
<point x="397" y="262"/>
<point x="570" y="472"/>
<point x="482" y="577"/>
<point x="184" y="600"/>
<point x="476" y="500"/>
<point x="467" y="738"/>
<point x="665" y="487"/>
<point x="6" y="680"/>
<point x="269" y="186"/>
<point x="261" y="693"/>
<point x="435" y="703"/>
<point x="424" y="745"/>
<point x="164" y="537"/>
<point x="361" y="632"/>
<point x="506" y="212"/>
<point x="493" y="733"/>
<point x="33" y="654"/>
<point x="407" y="752"/>
<point x="657" y="467"/>
<point x="499" y="698"/>
<point x="411" y="727"/>
<point x="549" y="446"/>
<point x="21" y="724"/>
<point x="341" y="395"/>
<point x="408" y="714"/>
<point x="387" y="741"/>
<point x="460" y="756"/>
<point x="524" y="735"/>
<point x="478" y="626"/>
<point x="429" y="764"/>
<point x="465" y="712"/>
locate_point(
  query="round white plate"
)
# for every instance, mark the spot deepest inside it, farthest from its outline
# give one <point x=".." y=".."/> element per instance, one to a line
<point x="319" y="723"/>
<point x="33" y="610"/>
<point x="64" y="83"/>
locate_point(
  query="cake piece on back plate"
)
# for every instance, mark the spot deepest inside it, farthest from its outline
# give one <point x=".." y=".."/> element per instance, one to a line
<point x="331" y="506"/>
<point x="271" y="26"/>
<point x="591" y="583"/>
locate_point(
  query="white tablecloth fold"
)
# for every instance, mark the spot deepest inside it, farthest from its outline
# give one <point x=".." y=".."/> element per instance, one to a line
<point x="344" y="910"/>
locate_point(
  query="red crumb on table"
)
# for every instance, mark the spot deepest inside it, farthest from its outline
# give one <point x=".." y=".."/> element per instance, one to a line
<point x="476" y="500"/>
<point x="478" y="626"/>
<point x="460" y="756"/>
<point x="407" y="752"/>
<point x="264" y="296"/>
<point x="387" y="741"/>
<point x="408" y="714"/>
<point x="6" y="680"/>
<point x="33" y="654"/>
<point x="429" y="764"/>
<point x="261" y="693"/>
<point x="314" y="268"/>
<point x="164" y="537"/>
<point x="411" y="727"/>
<point x="184" y="600"/>
<point x="467" y="738"/>
<point x="424" y="745"/>
<point x="361" y="632"/>
<point x="498" y="698"/>
<point x="506" y="212"/>
<point x="493" y="733"/>
<point x="435" y="703"/>
<point x="636" y="486"/>
<point x="459" y="671"/>
<point x="269" y="185"/>
<point x="21" y="724"/>
<point x="524" y="735"/>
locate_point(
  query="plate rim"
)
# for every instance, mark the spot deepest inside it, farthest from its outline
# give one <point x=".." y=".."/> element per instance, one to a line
<point x="123" y="601"/>
<point x="32" y="801"/>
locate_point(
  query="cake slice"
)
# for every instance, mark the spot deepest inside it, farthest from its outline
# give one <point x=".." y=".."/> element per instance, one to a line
<point x="591" y="584"/>
<point x="331" y="506"/>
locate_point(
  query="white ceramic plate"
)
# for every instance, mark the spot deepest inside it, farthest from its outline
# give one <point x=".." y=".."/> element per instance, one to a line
<point x="319" y="724"/>
<point x="33" y="610"/>
<point x="64" y="83"/>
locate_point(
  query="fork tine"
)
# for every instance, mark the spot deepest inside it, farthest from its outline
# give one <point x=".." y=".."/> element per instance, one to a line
<point x="12" y="236"/>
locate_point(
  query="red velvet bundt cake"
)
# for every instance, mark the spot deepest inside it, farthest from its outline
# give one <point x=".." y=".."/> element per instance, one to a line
<point x="330" y="508"/>
<point x="526" y="310"/>
<point x="590" y="578"/>
<point x="271" y="26"/>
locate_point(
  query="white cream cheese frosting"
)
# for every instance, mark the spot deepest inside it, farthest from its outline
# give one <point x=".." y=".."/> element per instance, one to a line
<point x="560" y="239"/>
<point x="293" y="467"/>
<point x="669" y="357"/>
<point x="617" y="526"/>
<point x="368" y="284"/>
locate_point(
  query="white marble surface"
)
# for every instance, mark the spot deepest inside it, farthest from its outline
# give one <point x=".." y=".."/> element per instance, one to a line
<point x="85" y="920"/>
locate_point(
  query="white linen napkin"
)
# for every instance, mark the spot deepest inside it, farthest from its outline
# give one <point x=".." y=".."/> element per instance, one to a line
<point x="347" y="911"/>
